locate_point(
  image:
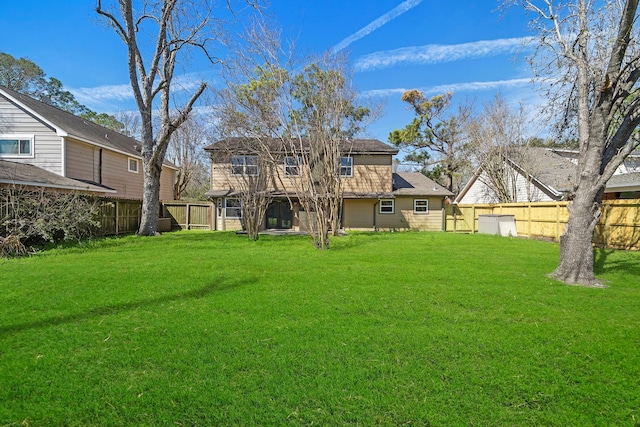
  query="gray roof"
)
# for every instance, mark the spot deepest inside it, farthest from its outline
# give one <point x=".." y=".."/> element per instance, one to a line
<point x="550" y="169"/>
<point x="75" y="126"/>
<point x="248" y="146"/>
<point x="22" y="174"/>
<point x="626" y="181"/>
<point x="417" y="184"/>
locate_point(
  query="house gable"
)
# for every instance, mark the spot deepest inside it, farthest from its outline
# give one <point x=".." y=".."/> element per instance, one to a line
<point x="75" y="148"/>
<point x="47" y="144"/>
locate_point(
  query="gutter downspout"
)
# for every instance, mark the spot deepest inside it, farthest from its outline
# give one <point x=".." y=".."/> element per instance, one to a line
<point x="444" y="214"/>
<point x="375" y="209"/>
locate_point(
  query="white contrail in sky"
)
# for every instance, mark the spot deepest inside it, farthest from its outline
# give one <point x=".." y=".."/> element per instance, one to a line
<point x="374" y="25"/>
<point x="436" y="53"/>
<point x="454" y="87"/>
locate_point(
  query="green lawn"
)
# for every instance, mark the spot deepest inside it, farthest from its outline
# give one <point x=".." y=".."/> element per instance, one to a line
<point x="420" y="329"/>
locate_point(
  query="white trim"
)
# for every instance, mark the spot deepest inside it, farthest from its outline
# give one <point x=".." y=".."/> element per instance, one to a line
<point x="245" y="165"/>
<point x="63" y="160"/>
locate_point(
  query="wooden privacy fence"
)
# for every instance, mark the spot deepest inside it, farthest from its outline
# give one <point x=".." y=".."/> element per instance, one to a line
<point x="119" y="216"/>
<point x="619" y="225"/>
<point x="190" y="216"/>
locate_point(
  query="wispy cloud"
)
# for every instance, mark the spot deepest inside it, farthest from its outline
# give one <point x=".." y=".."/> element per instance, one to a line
<point x="436" y="53"/>
<point x="108" y="97"/>
<point x="374" y="25"/>
<point x="455" y="87"/>
<point x="102" y="93"/>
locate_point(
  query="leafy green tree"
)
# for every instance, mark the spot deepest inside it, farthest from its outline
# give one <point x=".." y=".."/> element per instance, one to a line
<point x="54" y="94"/>
<point x="106" y="120"/>
<point x="21" y="75"/>
<point x="434" y="138"/>
<point x="24" y="76"/>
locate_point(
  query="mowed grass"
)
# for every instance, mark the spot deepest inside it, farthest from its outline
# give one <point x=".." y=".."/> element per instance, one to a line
<point x="421" y="329"/>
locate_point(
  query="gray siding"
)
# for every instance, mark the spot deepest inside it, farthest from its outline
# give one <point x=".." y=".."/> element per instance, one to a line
<point x="47" y="145"/>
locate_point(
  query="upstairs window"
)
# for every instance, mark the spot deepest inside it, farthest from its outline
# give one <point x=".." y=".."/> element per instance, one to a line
<point x="291" y="165"/>
<point x="244" y="165"/>
<point x="16" y="146"/>
<point x="346" y="166"/>
<point x="387" y="206"/>
<point x="133" y="165"/>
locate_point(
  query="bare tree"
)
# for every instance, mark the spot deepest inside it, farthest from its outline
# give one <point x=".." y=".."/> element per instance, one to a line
<point x="177" y="26"/>
<point x="589" y="56"/>
<point x="251" y="116"/>
<point x="185" y="151"/>
<point x="130" y="123"/>
<point x="498" y="147"/>
<point x="297" y="120"/>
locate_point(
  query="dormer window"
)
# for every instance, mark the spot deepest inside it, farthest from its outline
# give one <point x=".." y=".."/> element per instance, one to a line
<point x="133" y="165"/>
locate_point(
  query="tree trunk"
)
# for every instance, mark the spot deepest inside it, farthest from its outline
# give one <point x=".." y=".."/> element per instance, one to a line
<point x="576" y="249"/>
<point x="150" y="200"/>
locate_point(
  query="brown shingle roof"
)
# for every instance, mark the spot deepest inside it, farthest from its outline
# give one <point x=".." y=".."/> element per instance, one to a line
<point x="248" y="146"/>
<point x="417" y="184"/>
<point x="28" y="175"/>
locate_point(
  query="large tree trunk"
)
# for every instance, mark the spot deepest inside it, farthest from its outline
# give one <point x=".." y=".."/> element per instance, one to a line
<point x="576" y="249"/>
<point x="150" y="200"/>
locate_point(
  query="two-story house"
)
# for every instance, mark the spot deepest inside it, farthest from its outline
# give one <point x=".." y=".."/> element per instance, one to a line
<point x="373" y="196"/>
<point x="44" y="146"/>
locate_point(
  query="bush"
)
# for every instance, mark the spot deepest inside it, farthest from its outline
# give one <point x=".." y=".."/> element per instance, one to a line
<point x="33" y="217"/>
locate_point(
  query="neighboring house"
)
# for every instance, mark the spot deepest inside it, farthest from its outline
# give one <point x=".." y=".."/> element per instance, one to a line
<point x="623" y="186"/>
<point x="43" y="146"/>
<point x="536" y="174"/>
<point x="373" y="196"/>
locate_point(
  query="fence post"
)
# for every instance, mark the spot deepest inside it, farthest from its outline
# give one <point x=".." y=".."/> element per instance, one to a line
<point x="117" y="216"/>
<point x="606" y="232"/>
<point x="557" y="232"/>
<point x="473" y="219"/>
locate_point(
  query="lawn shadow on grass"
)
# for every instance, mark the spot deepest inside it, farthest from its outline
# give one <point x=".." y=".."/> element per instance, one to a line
<point x="219" y="286"/>
<point x="608" y="260"/>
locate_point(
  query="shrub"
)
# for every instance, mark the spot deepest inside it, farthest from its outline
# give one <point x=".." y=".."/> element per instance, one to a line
<point x="33" y="217"/>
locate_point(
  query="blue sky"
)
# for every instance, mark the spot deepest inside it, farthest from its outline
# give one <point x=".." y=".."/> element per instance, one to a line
<point x="467" y="46"/>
